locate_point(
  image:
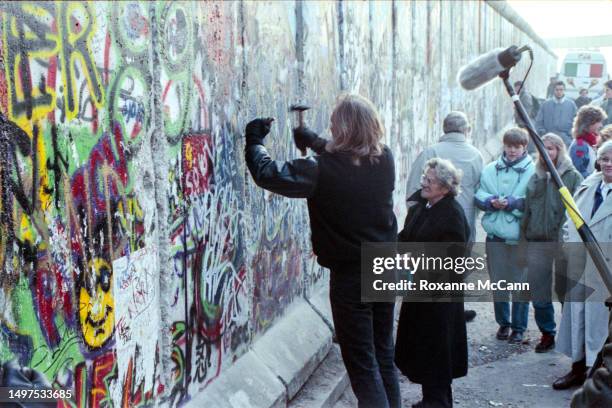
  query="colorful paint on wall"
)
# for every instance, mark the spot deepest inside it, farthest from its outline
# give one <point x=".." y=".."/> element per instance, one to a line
<point x="133" y="285"/>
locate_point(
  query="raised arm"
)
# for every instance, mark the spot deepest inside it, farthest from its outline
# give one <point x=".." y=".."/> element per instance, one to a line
<point x="295" y="178"/>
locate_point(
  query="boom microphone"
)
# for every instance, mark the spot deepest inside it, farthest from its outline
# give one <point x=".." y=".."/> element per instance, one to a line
<point x="488" y="66"/>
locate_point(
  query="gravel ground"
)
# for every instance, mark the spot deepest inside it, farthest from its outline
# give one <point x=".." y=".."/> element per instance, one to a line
<point x="500" y="374"/>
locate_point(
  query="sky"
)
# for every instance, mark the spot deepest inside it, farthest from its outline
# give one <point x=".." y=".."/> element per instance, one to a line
<point x="566" y="18"/>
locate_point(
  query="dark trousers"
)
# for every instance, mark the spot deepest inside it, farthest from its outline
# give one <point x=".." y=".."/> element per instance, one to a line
<point x="365" y="334"/>
<point x="437" y="395"/>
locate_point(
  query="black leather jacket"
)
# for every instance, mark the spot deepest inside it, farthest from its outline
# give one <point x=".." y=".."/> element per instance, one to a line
<point x="296" y="178"/>
<point x="347" y="204"/>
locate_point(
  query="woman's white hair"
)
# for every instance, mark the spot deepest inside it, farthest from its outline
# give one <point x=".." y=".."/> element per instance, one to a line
<point x="604" y="148"/>
<point x="447" y="174"/>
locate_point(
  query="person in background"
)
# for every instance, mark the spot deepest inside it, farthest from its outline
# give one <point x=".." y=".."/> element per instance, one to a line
<point x="583" y="99"/>
<point x="453" y="146"/>
<point x="501" y="195"/>
<point x="541" y="223"/>
<point x="550" y="89"/>
<point x="584" y="324"/>
<point x="605" y="134"/>
<point x="349" y="190"/>
<point x="585" y="131"/>
<point x="531" y="105"/>
<point x="557" y="114"/>
<point x="431" y="344"/>
<point x="605" y="102"/>
<point x="527" y="101"/>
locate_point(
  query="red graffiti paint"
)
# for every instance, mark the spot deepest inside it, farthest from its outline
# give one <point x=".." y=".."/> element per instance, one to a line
<point x="103" y="370"/>
<point x="107" y="46"/>
<point x="3" y="86"/>
<point x="197" y="164"/>
<point x="51" y="298"/>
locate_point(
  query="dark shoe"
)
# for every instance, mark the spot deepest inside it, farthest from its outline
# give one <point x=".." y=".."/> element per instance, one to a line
<point x="515" y="337"/>
<point x="503" y="333"/>
<point x="547" y="343"/>
<point x="571" y="379"/>
<point x="469" y="315"/>
<point x="418" y="405"/>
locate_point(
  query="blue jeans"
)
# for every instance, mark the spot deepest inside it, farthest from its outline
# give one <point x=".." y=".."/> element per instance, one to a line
<point x="504" y="263"/>
<point x="365" y="335"/>
<point x="541" y="256"/>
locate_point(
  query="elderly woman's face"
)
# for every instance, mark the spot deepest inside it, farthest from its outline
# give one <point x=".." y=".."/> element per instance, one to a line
<point x="605" y="162"/>
<point x="431" y="188"/>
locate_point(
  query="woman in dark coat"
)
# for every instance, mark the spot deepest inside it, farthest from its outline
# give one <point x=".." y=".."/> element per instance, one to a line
<point x="431" y="344"/>
<point x="348" y="185"/>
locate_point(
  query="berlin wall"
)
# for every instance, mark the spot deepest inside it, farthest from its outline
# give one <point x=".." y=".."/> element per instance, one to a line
<point x="138" y="260"/>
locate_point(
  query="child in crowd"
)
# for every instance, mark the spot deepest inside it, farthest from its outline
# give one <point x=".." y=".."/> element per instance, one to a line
<point x="587" y="124"/>
<point x="541" y="227"/>
<point x="503" y="184"/>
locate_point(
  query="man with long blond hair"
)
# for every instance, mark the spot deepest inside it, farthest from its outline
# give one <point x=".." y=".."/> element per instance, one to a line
<point x="349" y="186"/>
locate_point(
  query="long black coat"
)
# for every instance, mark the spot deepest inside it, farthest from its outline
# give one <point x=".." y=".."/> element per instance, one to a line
<point x="431" y="344"/>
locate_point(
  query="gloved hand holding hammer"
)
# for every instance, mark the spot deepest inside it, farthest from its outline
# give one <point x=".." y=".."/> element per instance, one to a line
<point x="304" y="138"/>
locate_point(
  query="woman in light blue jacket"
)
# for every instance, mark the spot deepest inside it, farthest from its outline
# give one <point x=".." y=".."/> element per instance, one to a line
<point x="501" y="195"/>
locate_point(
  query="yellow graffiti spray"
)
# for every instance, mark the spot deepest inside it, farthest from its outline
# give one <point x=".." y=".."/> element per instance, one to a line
<point x="96" y="304"/>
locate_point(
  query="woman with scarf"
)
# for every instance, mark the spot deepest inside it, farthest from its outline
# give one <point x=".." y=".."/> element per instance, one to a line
<point x="587" y="124"/>
<point x="541" y="225"/>
<point x="501" y="195"/>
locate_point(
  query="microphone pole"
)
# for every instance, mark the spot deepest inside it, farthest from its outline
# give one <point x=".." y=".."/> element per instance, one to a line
<point x="566" y="197"/>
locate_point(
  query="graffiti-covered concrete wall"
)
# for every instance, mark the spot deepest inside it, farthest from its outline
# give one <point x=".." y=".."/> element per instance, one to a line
<point x="139" y="261"/>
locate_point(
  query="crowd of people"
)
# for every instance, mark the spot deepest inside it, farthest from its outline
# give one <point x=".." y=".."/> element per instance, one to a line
<point x="349" y="185"/>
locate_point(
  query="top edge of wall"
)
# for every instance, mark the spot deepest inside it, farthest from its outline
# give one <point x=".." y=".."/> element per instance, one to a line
<point x="507" y="12"/>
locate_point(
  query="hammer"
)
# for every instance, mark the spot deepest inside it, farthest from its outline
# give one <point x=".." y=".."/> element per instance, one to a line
<point x="300" y="110"/>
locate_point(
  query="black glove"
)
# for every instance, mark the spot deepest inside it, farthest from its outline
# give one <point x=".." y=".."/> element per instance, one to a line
<point x="304" y="137"/>
<point x="256" y="130"/>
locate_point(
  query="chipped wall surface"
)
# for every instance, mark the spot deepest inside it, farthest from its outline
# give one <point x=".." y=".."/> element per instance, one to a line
<point x="138" y="258"/>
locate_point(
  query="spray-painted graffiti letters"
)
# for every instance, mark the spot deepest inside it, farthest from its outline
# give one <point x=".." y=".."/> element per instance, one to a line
<point x="61" y="32"/>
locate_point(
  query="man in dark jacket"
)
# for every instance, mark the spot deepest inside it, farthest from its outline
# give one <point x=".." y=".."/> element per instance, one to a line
<point x="583" y="99"/>
<point x="349" y="187"/>
<point x="605" y="102"/>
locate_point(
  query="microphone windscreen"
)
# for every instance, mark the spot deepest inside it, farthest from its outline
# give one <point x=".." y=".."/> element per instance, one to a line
<point x="481" y="70"/>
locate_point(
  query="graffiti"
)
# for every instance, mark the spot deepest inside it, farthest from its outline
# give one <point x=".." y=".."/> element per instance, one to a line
<point x="13" y="140"/>
<point x="61" y="32"/>
<point x="93" y="219"/>
<point x="177" y="56"/>
<point x="138" y="320"/>
<point x="96" y="306"/>
<point x="67" y="204"/>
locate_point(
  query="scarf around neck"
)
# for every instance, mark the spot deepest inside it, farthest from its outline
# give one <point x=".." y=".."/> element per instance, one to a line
<point x="516" y="161"/>
<point x="589" y="137"/>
